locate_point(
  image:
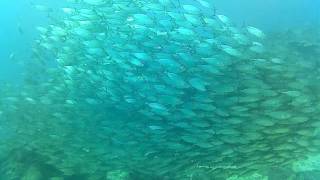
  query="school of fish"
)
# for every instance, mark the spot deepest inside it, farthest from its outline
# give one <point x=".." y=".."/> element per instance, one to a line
<point x="164" y="89"/>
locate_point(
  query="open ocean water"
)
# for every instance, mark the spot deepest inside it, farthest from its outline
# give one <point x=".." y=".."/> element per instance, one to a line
<point x="159" y="90"/>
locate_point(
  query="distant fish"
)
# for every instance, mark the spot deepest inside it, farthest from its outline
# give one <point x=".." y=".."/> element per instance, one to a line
<point x="224" y="19"/>
<point x="204" y="3"/>
<point x="95" y="2"/>
<point x="256" y="32"/>
<point x="12" y="56"/>
<point x="154" y="127"/>
<point x="68" y="10"/>
<point x="197" y="84"/>
<point x="19" y="27"/>
<point x="42" y="8"/>
<point x="231" y="51"/>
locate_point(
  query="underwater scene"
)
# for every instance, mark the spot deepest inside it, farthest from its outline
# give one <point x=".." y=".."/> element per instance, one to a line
<point x="160" y="90"/>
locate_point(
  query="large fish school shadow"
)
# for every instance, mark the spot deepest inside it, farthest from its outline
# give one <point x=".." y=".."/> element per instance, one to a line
<point x="29" y="165"/>
<point x="26" y="165"/>
<point x="23" y="164"/>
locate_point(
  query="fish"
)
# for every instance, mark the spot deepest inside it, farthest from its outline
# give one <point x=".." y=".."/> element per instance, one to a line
<point x="167" y="88"/>
<point x="20" y="29"/>
<point x="256" y="32"/>
<point x="12" y="56"/>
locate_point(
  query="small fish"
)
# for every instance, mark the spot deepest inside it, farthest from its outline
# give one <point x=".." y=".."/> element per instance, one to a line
<point x="42" y="8"/>
<point x="20" y="29"/>
<point x="153" y="127"/>
<point x="256" y="32"/>
<point x="12" y="56"/>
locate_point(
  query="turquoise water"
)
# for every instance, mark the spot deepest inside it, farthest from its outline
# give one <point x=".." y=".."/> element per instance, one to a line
<point x="159" y="90"/>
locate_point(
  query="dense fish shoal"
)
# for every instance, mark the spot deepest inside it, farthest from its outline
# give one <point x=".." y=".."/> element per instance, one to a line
<point x="165" y="89"/>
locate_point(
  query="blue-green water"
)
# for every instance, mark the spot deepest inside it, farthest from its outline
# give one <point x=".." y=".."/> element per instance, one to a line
<point x="159" y="90"/>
